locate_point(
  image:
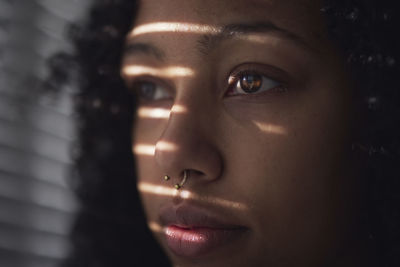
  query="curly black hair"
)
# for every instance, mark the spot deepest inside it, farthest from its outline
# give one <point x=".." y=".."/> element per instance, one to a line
<point x="110" y="229"/>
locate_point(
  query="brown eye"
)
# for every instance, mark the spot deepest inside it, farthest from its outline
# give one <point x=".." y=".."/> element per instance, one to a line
<point x="251" y="83"/>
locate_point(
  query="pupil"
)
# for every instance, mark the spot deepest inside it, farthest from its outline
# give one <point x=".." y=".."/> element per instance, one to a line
<point x="250" y="83"/>
<point x="147" y="90"/>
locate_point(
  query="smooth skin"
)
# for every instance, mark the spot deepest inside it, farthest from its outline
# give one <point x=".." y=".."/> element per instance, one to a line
<point x="276" y="161"/>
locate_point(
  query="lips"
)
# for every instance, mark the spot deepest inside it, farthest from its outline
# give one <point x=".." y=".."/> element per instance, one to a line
<point x="193" y="232"/>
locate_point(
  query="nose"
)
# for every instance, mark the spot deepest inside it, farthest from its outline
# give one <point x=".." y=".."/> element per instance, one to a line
<point x="187" y="144"/>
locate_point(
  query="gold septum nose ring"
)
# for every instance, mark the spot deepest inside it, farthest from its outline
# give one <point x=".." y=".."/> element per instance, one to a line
<point x="185" y="177"/>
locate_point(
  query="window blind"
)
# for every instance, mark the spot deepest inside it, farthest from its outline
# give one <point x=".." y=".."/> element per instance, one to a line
<point x="37" y="130"/>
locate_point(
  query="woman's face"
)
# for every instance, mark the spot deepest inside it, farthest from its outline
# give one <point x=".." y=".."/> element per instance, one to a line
<point x="251" y="99"/>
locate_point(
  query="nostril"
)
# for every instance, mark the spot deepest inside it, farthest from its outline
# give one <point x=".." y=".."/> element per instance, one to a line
<point x="195" y="172"/>
<point x="186" y="174"/>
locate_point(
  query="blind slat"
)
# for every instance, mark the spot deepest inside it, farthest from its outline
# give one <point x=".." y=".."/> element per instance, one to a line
<point x="36" y="205"/>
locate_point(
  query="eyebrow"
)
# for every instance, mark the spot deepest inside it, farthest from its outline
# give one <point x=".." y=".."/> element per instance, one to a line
<point x="207" y="42"/>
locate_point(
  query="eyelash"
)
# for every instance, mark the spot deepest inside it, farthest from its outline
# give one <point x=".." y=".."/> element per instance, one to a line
<point x="234" y="80"/>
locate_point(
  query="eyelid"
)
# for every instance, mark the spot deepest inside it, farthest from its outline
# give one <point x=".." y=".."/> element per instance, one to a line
<point x="268" y="71"/>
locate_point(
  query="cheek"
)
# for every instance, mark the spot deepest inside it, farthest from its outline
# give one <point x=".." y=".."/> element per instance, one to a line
<point x="295" y="181"/>
<point x="144" y="141"/>
<point x="149" y="179"/>
<point x="147" y="183"/>
<point x="286" y="172"/>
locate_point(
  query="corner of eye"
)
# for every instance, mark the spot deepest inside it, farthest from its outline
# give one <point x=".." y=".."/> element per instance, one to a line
<point x="231" y="79"/>
<point x="125" y="79"/>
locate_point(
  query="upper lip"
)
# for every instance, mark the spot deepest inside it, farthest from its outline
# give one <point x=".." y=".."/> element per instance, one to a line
<point x="190" y="216"/>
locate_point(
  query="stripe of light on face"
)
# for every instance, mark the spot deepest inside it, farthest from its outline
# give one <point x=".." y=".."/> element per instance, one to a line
<point x="149" y="150"/>
<point x="166" y="146"/>
<point x="174" y="27"/>
<point x="144" y="150"/>
<point x="153" y="113"/>
<point x="213" y="200"/>
<point x="160" y="113"/>
<point x="186" y="194"/>
<point x="178" y="109"/>
<point x="270" y="128"/>
<point x="155" y="227"/>
<point x="167" y="72"/>
<point x="160" y="190"/>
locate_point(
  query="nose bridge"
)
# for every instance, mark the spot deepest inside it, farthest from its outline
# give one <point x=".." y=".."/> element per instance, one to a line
<point x="179" y="132"/>
<point x="185" y="143"/>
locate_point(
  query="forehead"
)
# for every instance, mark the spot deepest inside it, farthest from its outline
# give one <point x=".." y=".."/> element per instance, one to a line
<point x="301" y="16"/>
<point x="169" y="24"/>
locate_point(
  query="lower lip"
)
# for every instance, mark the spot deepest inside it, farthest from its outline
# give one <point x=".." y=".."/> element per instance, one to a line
<point x="198" y="241"/>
